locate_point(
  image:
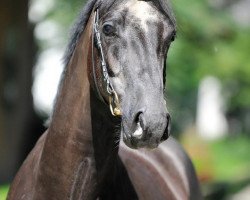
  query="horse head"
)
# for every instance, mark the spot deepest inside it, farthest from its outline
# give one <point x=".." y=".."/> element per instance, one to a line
<point x="131" y="39"/>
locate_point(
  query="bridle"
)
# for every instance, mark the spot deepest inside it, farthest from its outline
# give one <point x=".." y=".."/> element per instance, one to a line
<point x="113" y="99"/>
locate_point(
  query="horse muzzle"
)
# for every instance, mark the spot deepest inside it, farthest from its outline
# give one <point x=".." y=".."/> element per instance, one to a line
<point x="146" y="130"/>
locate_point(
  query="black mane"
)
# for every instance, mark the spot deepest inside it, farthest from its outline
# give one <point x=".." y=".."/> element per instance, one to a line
<point x="79" y="26"/>
<point x="77" y="29"/>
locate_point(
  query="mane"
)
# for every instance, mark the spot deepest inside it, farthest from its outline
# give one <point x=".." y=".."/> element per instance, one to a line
<point x="80" y="24"/>
<point x="77" y="30"/>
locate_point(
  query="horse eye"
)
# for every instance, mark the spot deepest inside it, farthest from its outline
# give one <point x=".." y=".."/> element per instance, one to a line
<point x="108" y="29"/>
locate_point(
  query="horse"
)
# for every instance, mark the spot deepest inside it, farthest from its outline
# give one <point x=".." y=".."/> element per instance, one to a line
<point x="108" y="136"/>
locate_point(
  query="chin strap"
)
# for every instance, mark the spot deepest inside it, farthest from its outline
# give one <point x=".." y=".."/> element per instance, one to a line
<point x="114" y="103"/>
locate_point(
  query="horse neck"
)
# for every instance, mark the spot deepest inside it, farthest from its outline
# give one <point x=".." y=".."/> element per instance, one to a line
<point x="106" y="132"/>
<point x="79" y="146"/>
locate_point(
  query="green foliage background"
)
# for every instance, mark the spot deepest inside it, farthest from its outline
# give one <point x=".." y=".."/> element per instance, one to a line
<point x="3" y="191"/>
<point x="210" y="42"/>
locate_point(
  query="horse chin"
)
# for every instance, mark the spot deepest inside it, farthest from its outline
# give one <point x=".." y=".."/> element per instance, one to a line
<point x="126" y="138"/>
<point x="139" y="145"/>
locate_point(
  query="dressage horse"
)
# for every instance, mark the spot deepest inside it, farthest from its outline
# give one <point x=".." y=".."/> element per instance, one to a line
<point x="110" y="113"/>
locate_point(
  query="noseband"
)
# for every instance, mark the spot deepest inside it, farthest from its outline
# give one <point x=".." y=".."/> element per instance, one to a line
<point x="113" y="99"/>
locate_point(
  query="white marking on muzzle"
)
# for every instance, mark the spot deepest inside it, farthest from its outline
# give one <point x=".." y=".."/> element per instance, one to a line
<point x="138" y="131"/>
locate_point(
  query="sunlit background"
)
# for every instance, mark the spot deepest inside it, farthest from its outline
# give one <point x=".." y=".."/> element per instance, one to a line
<point x="208" y="87"/>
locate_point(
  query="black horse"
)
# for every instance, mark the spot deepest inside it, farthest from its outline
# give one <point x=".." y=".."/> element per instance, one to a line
<point x="114" y="62"/>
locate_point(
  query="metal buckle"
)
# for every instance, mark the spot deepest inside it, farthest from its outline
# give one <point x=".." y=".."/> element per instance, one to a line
<point x="114" y="104"/>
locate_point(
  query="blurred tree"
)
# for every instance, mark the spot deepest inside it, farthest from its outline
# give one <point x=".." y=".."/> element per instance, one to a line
<point x="209" y="42"/>
<point x="17" y="54"/>
<point x="20" y="126"/>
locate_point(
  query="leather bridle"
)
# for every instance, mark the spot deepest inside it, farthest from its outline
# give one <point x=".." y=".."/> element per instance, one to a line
<point x="113" y="99"/>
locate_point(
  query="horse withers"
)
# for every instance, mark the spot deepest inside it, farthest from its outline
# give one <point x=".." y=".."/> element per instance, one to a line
<point x="112" y="87"/>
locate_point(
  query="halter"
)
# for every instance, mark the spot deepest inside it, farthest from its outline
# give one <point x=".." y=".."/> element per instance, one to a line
<point x="114" y="104"/>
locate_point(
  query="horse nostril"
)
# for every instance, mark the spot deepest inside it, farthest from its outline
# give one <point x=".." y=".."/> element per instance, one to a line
<point x="138" y="129"/>
<point x="166" y="133"/>
<point x="168" y="120"/>
<point x="165" y="136"/>
<point x="137" y="117"/>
